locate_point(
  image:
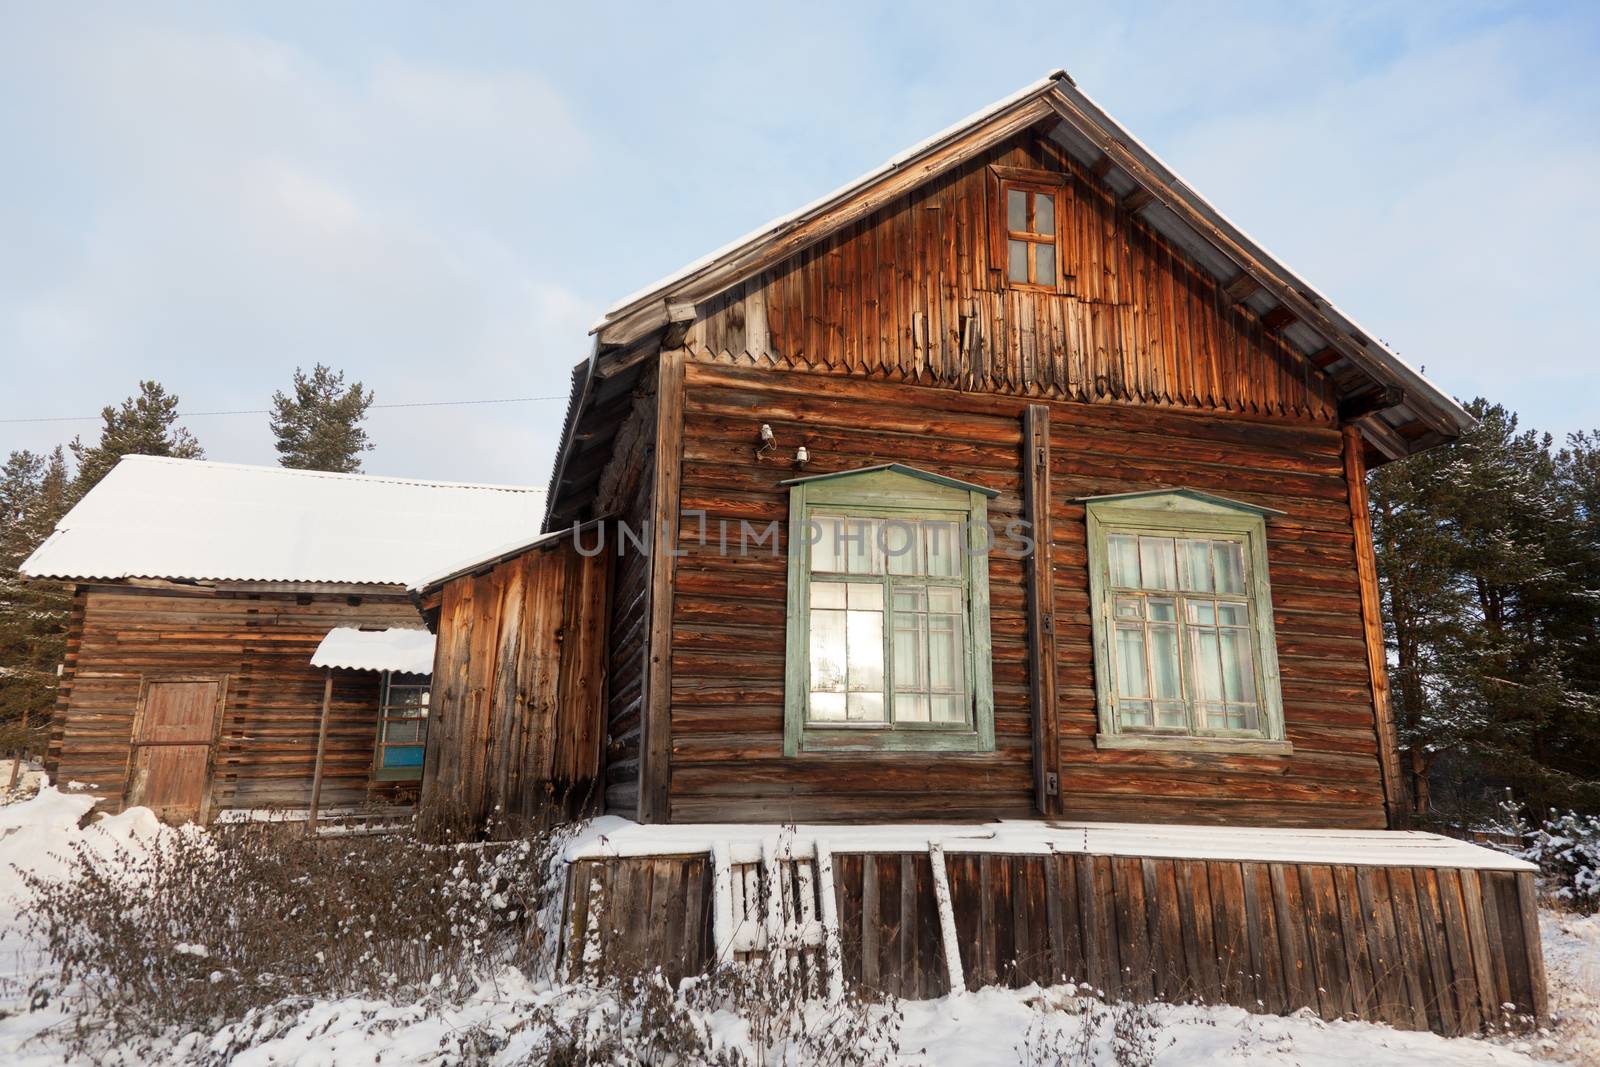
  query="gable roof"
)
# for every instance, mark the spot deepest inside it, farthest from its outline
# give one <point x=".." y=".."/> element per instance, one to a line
<point x="1382" y="391"/>
<point x="155" y="517"/>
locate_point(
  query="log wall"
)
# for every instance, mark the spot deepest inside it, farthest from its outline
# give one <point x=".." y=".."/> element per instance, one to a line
<point x="728" y="613"/>
<point x="1419" y="948"/>
<point x="516" y="725"/>
<point x="916" y="292"/>
<point x="262" y="641"/>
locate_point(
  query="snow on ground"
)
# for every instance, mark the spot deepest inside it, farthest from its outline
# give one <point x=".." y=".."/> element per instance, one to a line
<point x="969" y="1030"/>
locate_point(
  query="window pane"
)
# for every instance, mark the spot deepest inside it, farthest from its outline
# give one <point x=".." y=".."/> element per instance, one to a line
<point x="397" y="731"/>
<point x="946" y="654"/>
<point x="827" y="595"/>
<point x="864" y="707"/>
<point x="827" y="554"/>
<point x="827" y="645"/>
<point x="1194" y="558"/>
<point x="1238" y="672"/>
<point x="949" y="708"/>
<point x="1017" y="260"/>
<point x="1016" y="210"/>
<point x="1163" y="609"/>
<point x="1207" y="667"/>
<point x="1172" y="716"/>
<point x="861" y="552"/>
<point x="910" y="651"/>
<point x="902" y="546"/>
<point x="1233" y="614"/>
<point x="1135" y="712"/>
<point x="910" y="707"/>
<point x="944" y="548"/>
<point x="403" y="756"/>
<point x="1157" y="563"/>
<point x="1164" y="670"/>
<point x="1123" y="552"/>
<point x="1203" y="611"/>
<point x="1228" y="557"/>
<point x="827" y="707"/>
<point x="1130" y="607"/>
<point x="1044" y="213"/>
<point x="864" y="639"/>
<point x="1131" y="669"/>
<point x="1044" y="264"/>
<point x="946" y="599"/>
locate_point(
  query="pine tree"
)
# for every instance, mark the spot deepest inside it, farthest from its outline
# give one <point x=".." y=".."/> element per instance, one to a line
<point x="33" y="496"/>
<point x="319" y="427"/>
<point x="142" y="426"/>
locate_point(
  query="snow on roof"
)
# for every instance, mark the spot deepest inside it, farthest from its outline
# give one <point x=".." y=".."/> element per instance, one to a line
<point x="155" y="517"/>
<point x="474" y="560"/>
<point x="351" y="648"/>
<point x="611" y="835"/>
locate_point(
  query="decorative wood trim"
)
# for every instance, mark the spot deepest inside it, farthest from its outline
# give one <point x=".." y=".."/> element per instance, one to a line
<point x="1355" y="473"/>
<point x="1235" y="746"/>
<point x="656" y="744"/>
<point x="1041" y="608"/>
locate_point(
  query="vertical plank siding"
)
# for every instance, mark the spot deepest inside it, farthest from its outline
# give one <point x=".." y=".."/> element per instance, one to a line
<point x="516" y="723"/>
<point x="728" y="614"/>
<point x="262" y="642"/>
<point x="1348" y="942"/>
<point x="915" y="293"/>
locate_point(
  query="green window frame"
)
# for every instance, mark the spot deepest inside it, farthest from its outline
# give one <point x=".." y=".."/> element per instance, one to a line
<point x="891" y="559"/>
<point x="1185" y="649"/>
<point x="402" y="727"/>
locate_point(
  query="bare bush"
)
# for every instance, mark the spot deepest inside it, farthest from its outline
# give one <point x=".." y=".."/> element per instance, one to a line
<point x="200" y="928"/>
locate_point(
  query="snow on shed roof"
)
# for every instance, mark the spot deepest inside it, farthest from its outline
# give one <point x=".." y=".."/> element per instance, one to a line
<point x="352" y="648"/>
<point x="155" y="517"/>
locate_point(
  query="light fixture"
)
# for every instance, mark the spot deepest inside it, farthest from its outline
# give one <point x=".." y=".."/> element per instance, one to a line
<point x="802" y="456"/>
<point x="768" y="441"/>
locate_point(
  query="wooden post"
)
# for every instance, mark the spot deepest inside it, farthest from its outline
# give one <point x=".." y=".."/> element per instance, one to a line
<point x="16" y="757"/>
<point x="1355" y="472"/>
<point x="1041" y="609"/>
<point x="655" y="745"/>
<point x="322" y="744"/>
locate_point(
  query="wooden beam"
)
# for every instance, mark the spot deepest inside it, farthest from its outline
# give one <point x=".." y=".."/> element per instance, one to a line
<point x="1241" y="288"/>
<point x="679" y="318"/>
<point x="1324" y="358"/>
<point x="1370" y="403"/>
<point x="322" y="747"/>
<point x="1277" y="318"/>
<point x="1382" y="437"/>
<point x="1102" y="166"/>
<point x="1041" y="609"/>
<point x="1355" y="473"/>
<point x="1136" y="200"/>
<point x="656" y="744"/>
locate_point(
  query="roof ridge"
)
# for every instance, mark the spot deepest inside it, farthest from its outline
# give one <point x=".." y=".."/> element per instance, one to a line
<point x="261" y="468"/>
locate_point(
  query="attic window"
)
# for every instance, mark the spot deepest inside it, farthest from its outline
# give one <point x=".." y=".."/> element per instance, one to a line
<point x="1031" y="214"/>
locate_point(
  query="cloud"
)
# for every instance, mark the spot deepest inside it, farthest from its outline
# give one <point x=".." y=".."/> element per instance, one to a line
<point x="252" y="212"/>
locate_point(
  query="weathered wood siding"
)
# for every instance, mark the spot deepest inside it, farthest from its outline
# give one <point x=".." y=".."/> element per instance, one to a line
<point x="517" y="719"/>
<point x="728" y="620"/>
<point x="1419" y="948"/>
<point x="262" y="642"/>
<point x="915" y="292"/>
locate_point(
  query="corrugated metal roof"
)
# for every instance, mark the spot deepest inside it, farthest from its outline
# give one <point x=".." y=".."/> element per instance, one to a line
<point x="194" y="519"/>
<point x="351" y="648"/>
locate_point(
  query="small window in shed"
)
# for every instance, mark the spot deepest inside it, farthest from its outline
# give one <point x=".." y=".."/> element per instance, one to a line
<point x="402" y="726"/>
<point x="1031" y="234"/>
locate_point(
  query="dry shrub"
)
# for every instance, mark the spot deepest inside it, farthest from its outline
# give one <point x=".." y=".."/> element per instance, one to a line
<point x="198" y="929"/>
<point x="1130" y="1031"/>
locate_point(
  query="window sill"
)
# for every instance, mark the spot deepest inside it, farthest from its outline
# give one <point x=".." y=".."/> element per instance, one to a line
<point x="1239" y="746"/>
<point x="868" y="741"/>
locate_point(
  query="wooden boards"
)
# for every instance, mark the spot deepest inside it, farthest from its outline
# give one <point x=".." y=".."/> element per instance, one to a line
<point x="1036" y="510"/>
<point x="656" y="741"/>
<point x="1394" y="792"/>
<point x="261" y="638"/>
<point x="727" y="679"/>
<point x="516" y="725"/>
<point x="1418" y="948"/>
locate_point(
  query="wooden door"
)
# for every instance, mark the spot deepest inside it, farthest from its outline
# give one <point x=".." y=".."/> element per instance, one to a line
<point x="173" y="736"/>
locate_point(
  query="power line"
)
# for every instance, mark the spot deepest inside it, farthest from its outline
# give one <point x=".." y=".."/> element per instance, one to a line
<point x="268" y="411"/>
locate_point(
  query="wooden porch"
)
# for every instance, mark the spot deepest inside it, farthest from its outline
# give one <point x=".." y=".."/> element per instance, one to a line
<point x="1408" y="929"/>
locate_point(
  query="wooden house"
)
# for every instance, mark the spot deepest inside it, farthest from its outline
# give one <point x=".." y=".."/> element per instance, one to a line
<point x="967" y="578"/>
<point x="203" y="592"/>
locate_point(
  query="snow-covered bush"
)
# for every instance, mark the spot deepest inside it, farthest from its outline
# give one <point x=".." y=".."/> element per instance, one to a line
<point x="1567" y="850"/>
<point x="197" y="929"/>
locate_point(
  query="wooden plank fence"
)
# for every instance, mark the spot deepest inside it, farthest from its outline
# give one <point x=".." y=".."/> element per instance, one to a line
<point x="1420" y="948"/>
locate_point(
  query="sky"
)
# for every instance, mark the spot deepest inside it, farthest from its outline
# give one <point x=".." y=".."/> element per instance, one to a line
<point x="440" y="198"/>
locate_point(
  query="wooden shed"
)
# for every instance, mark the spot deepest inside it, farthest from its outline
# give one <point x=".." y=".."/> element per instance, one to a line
<point x="201" y="593"/>
<point x="1010" y="484"/>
